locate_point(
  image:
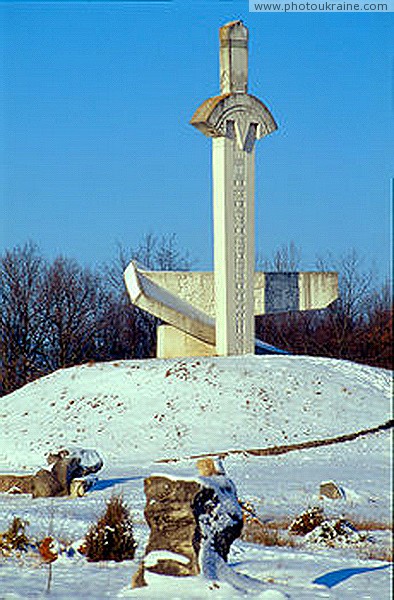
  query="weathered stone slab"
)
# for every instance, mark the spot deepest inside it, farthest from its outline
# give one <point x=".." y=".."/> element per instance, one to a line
<point x="173" y="343"/>
<point x="193" y="523"/>
<point x="65" y="466"/>
<point x="168" y="307"/>
<point x="330" y="489"/>
<point x="170" y="517"/>
<point x="310" y="290"/>
<point x="168" y="512"/>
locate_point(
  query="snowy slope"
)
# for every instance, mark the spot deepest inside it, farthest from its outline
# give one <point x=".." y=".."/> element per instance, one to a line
<point x="134" y="412"/>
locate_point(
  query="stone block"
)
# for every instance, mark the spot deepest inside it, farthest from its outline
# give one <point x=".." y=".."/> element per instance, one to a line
<point x="331" y="490"/>
<point x="192" y="522"/>
<point x="273" y="292"/>
<point x="174" y="343"/>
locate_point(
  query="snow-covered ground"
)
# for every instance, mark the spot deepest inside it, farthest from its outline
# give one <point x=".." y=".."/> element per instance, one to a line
<point x="137" y="412"/>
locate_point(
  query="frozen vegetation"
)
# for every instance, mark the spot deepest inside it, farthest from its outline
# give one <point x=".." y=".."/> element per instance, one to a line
<point x="135" y="413"/>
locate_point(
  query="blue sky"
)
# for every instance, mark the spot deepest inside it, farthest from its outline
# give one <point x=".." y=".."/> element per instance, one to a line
<point x="96" y="143"/>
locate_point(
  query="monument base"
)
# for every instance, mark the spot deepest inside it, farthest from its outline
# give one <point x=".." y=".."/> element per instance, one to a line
<point x="174" y="343"/>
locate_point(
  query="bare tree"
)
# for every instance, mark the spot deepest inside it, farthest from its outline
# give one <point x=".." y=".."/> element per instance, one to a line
<point x="157" y="254"/>
<point x="344" y="321"/>
<point x="70" y="296"/>
<point x="168" y="255"/>
<point x="358" y="326"/>
<point x="123" y="331"/>
<point x="377" y="338"/>
<point x="145" y="252"/>
<point x="356" y="281"/>
<point x="23" y="326"/>
<point x="285" y="259"/>
<point x="129" y="331"/>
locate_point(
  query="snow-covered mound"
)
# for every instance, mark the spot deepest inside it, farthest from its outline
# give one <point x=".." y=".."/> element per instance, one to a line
<point x="138" y="411"/>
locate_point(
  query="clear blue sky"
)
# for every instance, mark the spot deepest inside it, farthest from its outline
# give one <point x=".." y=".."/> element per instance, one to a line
<point x="97" y="147"/>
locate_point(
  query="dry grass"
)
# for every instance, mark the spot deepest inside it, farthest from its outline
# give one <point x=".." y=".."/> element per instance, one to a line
<point x="376" y="553"/>
<point x="267" y="534"/>
<point x="367" y="525"/>
<point x="272" y="532"/>
<point x="275" y="533"/>
<point x="278" y="523"/>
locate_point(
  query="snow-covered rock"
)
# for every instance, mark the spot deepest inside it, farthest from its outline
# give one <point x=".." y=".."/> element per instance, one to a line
<point x="331" y="490"/>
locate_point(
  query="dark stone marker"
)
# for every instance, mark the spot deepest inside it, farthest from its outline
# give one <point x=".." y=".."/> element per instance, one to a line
<point x="281" y="292"/>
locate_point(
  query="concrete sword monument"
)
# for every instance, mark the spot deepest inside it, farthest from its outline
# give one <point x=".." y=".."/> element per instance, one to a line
<point x="234" y="120"/>
<point x="205" y="314"/>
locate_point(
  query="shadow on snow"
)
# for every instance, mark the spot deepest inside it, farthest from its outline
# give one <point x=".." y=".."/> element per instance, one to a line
<point x="103" y="484"/>
<point x="332" y="578"/>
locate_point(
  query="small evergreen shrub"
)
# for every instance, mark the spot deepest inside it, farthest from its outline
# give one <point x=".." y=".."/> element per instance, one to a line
<point x="111" y="538"/>
<point x="15" y="538"/>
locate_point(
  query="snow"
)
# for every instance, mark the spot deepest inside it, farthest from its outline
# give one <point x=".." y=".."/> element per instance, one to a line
<point x="194" y="588"/>
<point x="136" y="412"/>
<point x="216" y="516"/>
<point x="154" y="556"/>
<point x="139" y="411"/>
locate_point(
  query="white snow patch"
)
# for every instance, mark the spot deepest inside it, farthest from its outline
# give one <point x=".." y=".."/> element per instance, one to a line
<point x="139" y="411"/>
<point x="151" y="559"/>
<point x="174" y="477"/>
<point x="135" y="412"/>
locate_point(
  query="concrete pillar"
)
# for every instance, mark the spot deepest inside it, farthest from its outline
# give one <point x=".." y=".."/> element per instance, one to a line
<point x="234" y="120"/>
<point x="233" y="201"/>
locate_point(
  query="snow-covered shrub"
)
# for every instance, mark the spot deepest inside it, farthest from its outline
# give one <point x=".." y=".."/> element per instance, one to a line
<point x="335" y="532"/>
<point x="111" y="538"/>
<point x="307" y="521"/>
<point x="15" y="537"/>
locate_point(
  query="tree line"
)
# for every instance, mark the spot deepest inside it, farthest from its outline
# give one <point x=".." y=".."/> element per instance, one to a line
<point x="358" y="326"/>
<point x="57" y="313"/>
